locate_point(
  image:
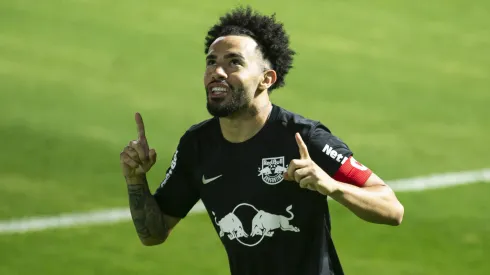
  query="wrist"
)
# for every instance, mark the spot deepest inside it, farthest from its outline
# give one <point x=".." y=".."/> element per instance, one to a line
<point x="136" y="180"/>
<point x="337" y="189"/>
<point x="331" y="187"/>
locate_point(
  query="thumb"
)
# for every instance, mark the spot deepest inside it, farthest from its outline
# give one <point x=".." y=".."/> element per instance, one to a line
<point x="303" y="150"/>
<point x="153" y="156"/>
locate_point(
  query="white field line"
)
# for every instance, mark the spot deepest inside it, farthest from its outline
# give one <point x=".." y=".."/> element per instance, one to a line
<point x="122" y="214"/>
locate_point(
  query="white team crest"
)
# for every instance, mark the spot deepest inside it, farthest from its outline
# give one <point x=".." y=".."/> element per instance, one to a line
<point x="272" y="170"/>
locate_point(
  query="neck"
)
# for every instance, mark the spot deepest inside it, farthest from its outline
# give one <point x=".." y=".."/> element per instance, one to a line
<point x="244" y="125"/>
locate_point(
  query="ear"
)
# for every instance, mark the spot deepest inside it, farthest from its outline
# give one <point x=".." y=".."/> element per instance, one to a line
<point x="269" y="77"/>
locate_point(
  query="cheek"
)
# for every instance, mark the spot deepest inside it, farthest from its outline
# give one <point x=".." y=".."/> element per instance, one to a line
<point x="207" y="74"/>
<point x="243" y="78"/>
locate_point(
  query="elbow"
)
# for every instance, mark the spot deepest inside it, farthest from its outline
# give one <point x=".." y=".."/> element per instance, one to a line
<point x="397" y="216"/>
<point x="152" y="241"/>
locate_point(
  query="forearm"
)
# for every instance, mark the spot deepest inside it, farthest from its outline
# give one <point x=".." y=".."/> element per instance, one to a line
<point x="376" y="204"/>
<point x="147" y="217"/>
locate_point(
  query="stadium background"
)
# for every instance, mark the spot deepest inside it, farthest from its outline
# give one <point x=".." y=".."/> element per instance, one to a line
<point x="405" y="83"/>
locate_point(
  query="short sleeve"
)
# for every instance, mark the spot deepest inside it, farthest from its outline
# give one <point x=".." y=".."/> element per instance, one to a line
<point x="327" y="150"/>
<point x="335" y="158"/>
<point x="177" y="193"/>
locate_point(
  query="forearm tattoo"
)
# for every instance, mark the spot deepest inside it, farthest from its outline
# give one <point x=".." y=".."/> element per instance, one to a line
<point x="147" y="217"/>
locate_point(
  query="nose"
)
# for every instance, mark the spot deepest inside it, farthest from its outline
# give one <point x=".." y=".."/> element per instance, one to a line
<point x="219" y="73"/>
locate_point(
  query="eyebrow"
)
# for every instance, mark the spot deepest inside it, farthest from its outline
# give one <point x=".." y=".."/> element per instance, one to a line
<point x="230" y="55"/>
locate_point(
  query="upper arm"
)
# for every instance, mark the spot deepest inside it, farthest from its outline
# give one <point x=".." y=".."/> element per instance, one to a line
<point x="178" y="193"/>
<point x="336" y="159"/>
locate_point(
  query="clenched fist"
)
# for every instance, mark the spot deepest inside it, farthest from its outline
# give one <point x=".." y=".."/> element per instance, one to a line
<point x="137" y="158"/>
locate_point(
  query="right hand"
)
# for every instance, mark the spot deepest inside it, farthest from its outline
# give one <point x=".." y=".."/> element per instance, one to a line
<point x="136" y="158"/>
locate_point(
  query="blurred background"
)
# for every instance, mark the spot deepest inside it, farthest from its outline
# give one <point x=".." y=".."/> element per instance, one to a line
<point x="406" y="84"/>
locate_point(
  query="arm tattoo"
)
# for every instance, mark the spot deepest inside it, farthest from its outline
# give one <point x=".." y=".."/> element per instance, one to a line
<point x="146" y="214"/>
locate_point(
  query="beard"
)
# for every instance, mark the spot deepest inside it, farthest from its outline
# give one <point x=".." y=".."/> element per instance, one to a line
<point x="234" y="102"/>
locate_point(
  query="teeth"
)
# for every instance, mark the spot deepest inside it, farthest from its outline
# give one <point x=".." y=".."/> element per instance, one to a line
<point x="218" y="89"/>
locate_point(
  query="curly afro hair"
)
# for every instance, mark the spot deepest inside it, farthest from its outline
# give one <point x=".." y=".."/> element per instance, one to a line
<point x="269" y="34"/>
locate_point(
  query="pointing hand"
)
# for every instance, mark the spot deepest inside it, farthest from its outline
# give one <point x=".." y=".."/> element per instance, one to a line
<point x="136" y="158"/>
<point x="307" y="173"/>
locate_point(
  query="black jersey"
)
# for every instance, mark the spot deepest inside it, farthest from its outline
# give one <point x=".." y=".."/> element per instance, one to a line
<point x="267" y="225"/>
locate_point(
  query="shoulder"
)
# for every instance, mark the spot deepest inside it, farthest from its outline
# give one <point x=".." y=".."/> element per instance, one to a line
<point x="307" y="127"/>
<point x="189" y="142"/>
<point x="314" y="132"/>
<point x="198" y="130"/>
<point x="202" y="126"/>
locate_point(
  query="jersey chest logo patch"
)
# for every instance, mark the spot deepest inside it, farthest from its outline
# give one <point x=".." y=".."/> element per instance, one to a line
<point x="272" y="170"/>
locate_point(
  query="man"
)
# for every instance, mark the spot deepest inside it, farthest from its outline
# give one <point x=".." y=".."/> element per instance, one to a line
<point x="262" y="172"/>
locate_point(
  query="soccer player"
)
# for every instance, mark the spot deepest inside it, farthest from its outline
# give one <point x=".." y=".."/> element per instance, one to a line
<point x="263" y="173"/>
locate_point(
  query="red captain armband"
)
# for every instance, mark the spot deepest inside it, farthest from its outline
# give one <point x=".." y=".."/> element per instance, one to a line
<point x="353" y="172"/>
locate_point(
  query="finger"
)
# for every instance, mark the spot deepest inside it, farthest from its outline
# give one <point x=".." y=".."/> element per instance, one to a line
<point x="303" y="184"/>
<point x="142" y="136"/>
<point x="129" y="161"/>
<point x="299" y="174"/>
<point x="136" y="145"/>
<point x="140" y="125"/>
<point x="310" y="187"/>
<point x="303" y="150"/>
<point x="132" y="153"/>
<point x="153" y="156"/>
<point x="290" y="171"/>
<point x="306" y="182"/>
<point x="295" y="164"/>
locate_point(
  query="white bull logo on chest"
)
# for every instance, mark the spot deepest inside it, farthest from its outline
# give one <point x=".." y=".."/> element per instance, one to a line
<point x="231" y="225"/>
<point x="264" y="223"/>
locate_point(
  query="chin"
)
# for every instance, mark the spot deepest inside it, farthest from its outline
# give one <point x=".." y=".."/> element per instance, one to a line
<point x="218" y="112"/>
<point x="221" y="109"/>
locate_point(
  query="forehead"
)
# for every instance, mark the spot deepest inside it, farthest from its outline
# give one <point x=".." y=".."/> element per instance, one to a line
<point x="244" y="45"/>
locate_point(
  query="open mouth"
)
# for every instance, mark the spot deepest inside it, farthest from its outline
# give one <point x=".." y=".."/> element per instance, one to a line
<point x="218" y="91"/>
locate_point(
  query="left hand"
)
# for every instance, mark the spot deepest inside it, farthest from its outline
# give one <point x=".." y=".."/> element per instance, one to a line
<point x="307" y="173"/>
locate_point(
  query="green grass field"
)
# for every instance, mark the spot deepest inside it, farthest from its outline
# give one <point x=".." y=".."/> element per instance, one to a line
<point x="406" y="85"/>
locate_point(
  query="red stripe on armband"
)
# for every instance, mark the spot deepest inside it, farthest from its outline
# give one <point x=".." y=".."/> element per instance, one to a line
<point x="353" y="172"/>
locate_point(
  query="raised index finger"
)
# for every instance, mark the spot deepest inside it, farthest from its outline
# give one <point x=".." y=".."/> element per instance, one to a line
<point x="303" y="150"/>
<point x="141" y="126"/>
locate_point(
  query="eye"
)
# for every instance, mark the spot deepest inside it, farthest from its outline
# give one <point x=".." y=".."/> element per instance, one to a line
<point x="210" y="62"/>
<point x="235" y="62"/>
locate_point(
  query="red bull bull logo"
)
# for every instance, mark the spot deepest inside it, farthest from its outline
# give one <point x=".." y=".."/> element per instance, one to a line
<point x="263" y="224"/>
<point x="272" y="170"/>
